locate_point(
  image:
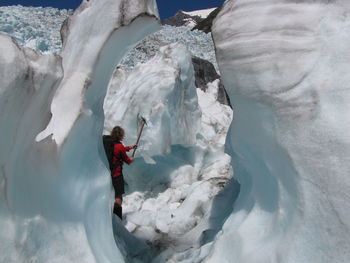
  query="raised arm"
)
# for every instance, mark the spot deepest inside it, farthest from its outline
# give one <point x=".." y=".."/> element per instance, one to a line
<point x="121" y="149"/>
<point x="128" y="148"/>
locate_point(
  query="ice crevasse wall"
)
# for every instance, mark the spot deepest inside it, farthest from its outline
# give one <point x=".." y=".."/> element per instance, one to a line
<point x="54" y="184"/>
<point x="286" y="67"/>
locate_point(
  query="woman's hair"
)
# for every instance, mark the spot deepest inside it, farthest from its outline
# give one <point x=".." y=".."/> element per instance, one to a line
<point x="117" y="133"/>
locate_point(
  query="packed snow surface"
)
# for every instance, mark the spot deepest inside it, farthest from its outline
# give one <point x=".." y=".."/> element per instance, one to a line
<point x="286" y="67"/>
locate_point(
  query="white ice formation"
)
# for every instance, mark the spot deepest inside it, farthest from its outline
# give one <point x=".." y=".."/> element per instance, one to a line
<point x="39" y="28"/>
<point x="55" y="188"/>
<point x="198" y="43"/>
<point x="34" y="27"/>
<point x="171" y="190"/>
<point x="286" y="67"/>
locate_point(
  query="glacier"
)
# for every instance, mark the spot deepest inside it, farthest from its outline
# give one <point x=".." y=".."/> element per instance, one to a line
<point x="171" y="190"/>
<point x="66" y="214"/>
<point x="285" y="67"/>
<point x="39" y="28"/>
<point x="34" y="27"/>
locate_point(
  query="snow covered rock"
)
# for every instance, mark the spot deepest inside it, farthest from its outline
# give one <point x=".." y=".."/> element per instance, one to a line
<point x="196" y="20"/>
<point x="55" y="196"/>
<point x="206" y="73"/>
<point x="285" y="65"/>
<point x="206" y="24"/>
<point x="182" y="18"/>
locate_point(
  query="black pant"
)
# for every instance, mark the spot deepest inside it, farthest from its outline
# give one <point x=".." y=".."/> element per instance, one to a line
<point x="118" y="184"/>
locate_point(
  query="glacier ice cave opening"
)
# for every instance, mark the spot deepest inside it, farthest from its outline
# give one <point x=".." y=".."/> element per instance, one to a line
<point x="179" y="189"/>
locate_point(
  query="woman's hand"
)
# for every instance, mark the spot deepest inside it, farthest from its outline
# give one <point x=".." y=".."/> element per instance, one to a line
<point x="134" y="146"/>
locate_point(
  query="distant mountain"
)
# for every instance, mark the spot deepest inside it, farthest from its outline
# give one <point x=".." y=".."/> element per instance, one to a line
<point x="190" y="19"/>
<point x="205" y="24"/>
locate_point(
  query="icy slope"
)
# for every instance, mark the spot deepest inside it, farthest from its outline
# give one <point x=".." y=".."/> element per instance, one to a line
<point x="170" y="194"/>
<point x="34" y="27"/>
<point x="55" y="188"/>
<point x="39" y="29"/>
<point x="286" y="68"/>
<point x="197" y="42"/>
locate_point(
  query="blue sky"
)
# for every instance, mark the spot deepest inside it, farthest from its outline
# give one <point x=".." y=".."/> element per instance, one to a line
<point x="166" y="7"/>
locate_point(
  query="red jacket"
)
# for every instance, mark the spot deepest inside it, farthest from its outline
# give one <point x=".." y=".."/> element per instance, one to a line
<point x="119" y="155"/>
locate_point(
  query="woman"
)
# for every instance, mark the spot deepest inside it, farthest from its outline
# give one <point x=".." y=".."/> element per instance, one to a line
<point x="119" y="157"/>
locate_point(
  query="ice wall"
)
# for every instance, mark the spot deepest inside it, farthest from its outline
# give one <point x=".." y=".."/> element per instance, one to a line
<point x="163" y="92"/>
<point x="286" y="67"/>
<point x="55" y="204"/>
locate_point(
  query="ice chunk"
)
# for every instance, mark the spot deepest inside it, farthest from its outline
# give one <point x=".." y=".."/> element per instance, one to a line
<point x="163" y="92"/>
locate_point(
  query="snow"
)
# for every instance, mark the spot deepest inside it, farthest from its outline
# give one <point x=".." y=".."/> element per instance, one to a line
<point x="204" y="13"/>
<point x="285" y="66"/>
<point x="201" y="13"/>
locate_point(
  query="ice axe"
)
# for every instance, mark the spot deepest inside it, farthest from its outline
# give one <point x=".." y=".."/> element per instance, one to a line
<point x="141" y="121"/>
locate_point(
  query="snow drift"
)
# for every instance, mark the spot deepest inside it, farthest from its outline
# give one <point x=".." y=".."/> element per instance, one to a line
<point x="286" y="67"/>
<point x="55" y="203"/>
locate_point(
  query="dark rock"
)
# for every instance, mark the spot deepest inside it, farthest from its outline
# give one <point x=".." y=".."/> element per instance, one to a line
<point x="181" y="19"/>
<point x="205" y="73"/>
<point x="205" y="24"/>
